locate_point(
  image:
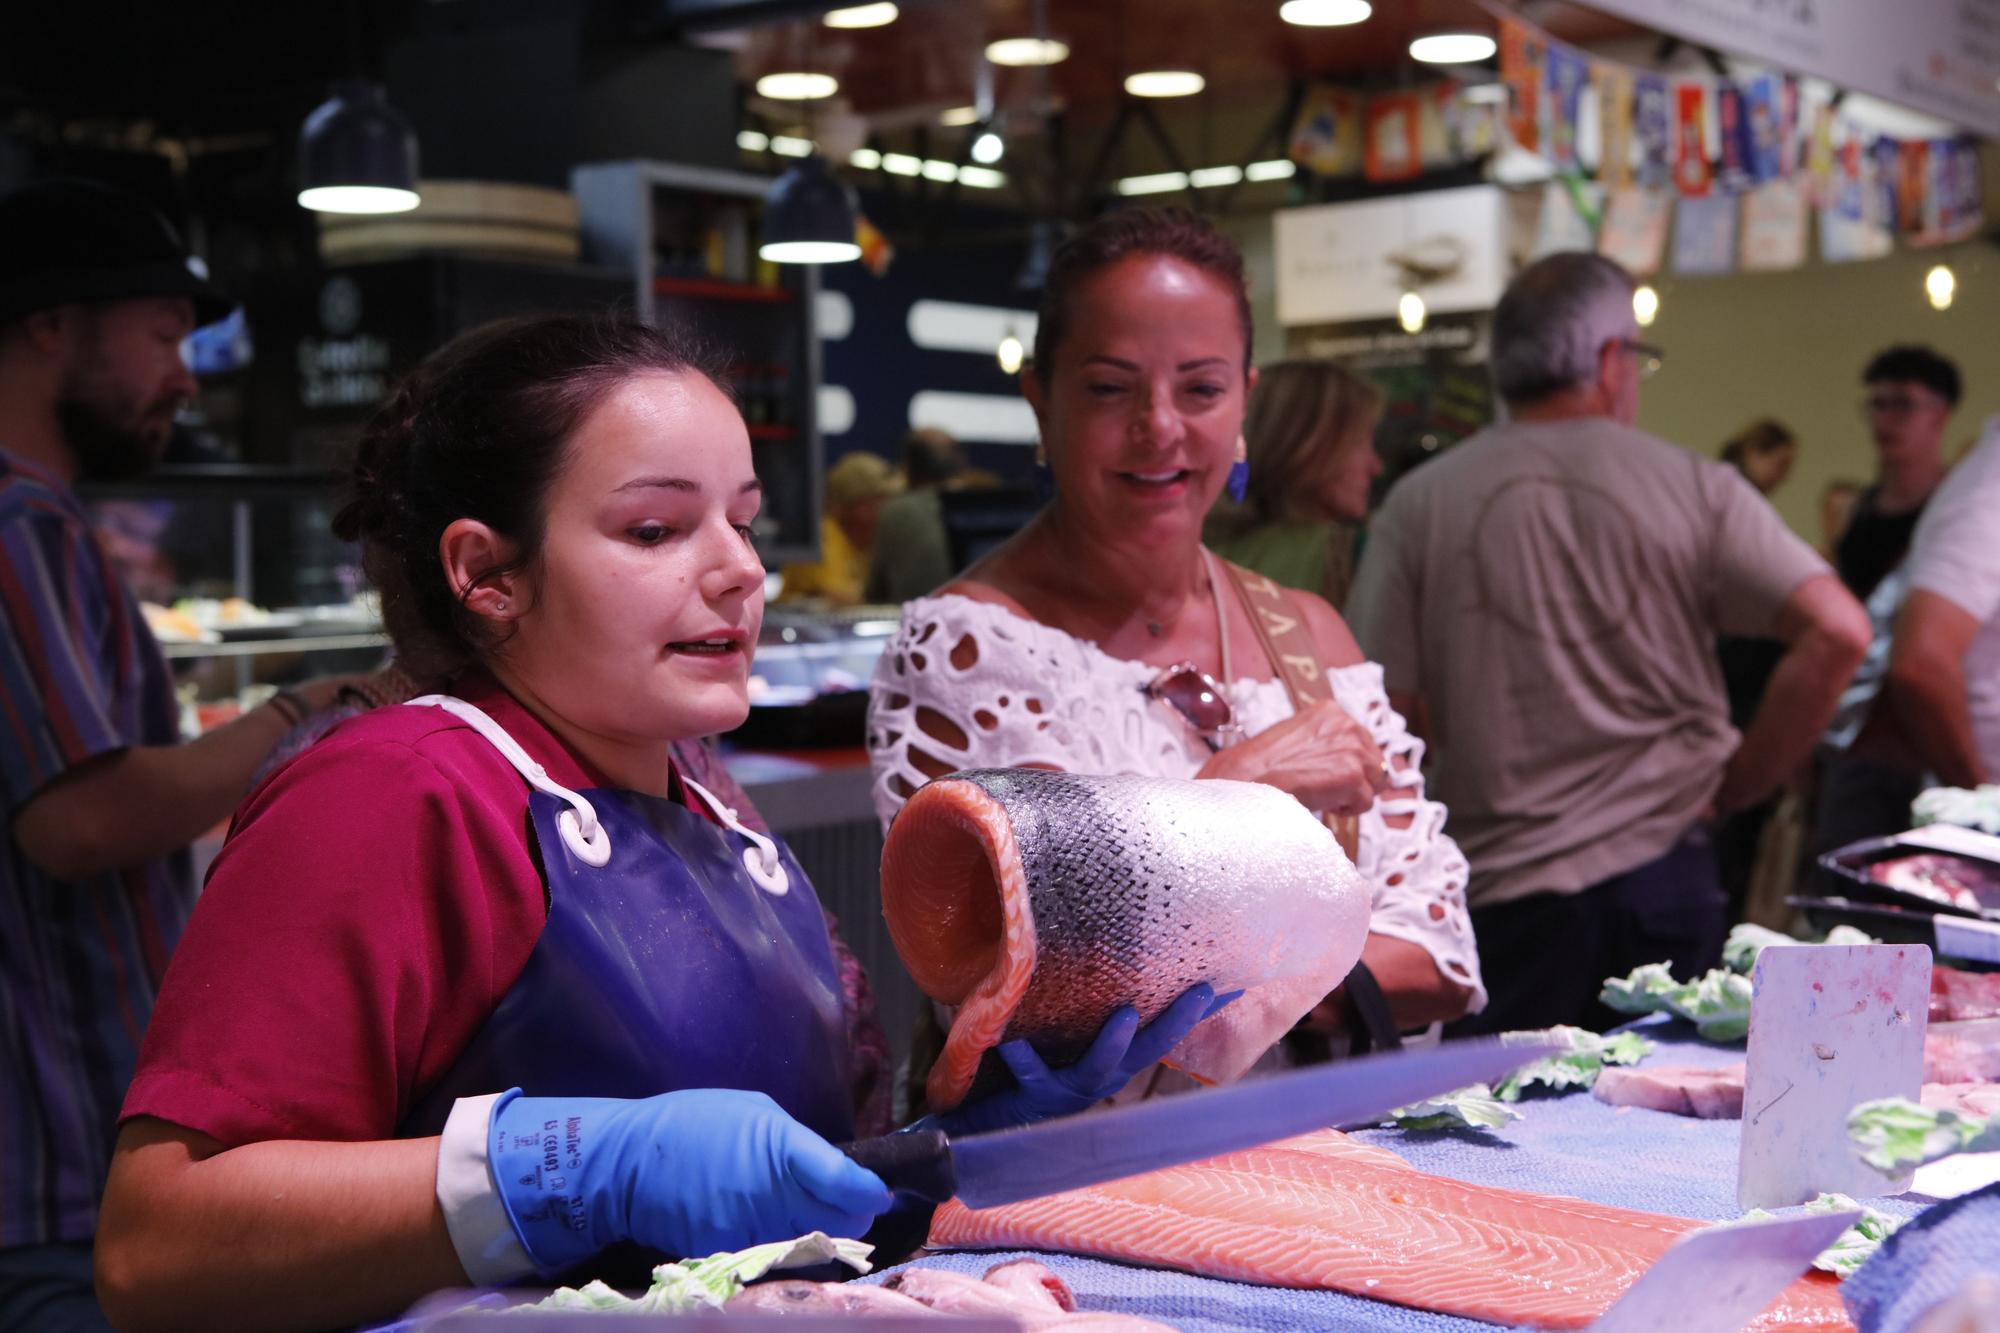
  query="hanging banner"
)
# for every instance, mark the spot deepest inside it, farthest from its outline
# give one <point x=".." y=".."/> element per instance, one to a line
<point x="1705" y="234"/>
<point x="1940" y="58"/>
<point x="1395" y="150"/>
<point x="1820" y="160"/>
<point x="1775" y="220"/>
<point x="1568" y="221"/>
<point x="1634" y="234"/>
<point x="1765" y="127"/>
<point x="1732" y="173"/>
<point x="1521" y="71"/>
<point x="1913" y="181"/>
<point x="1885" y="160"/>
<point x="1843" y="240"/>
<point x="1568" y="73"/>
<point x="1326" y="135"/>
<point x="1614" y="125"/>
<point x="1691" y="173"/>
<point x="1653" y="127"/>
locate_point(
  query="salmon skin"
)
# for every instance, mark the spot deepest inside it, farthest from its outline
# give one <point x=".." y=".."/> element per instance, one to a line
<point x="1038" y="902"/>
<point x="1323" y="1211"/>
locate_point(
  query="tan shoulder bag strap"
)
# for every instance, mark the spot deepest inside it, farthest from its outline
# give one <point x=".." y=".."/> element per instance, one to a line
<point x="1288" y="644"/>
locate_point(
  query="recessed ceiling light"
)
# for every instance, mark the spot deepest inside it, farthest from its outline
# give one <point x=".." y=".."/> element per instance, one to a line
<point x="959" y="115"/>
<point x="797" y="86"/>
<point x="1164" y="83"/>
<point x="1324" y="13"/>
<point x="357" y="199"/>
<point x="1027" y="51"/>
<point x="1484" y="92"/>
<point x="860" y="16"/>
<point x="988" y="148"/>
<point x="1453" y="48"/>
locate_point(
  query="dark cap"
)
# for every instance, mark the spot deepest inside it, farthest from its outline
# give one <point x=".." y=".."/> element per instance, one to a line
<point x="70" y="241"/>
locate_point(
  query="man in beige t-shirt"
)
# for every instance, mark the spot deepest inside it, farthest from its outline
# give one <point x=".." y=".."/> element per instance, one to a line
<point x="1545" y="599"/>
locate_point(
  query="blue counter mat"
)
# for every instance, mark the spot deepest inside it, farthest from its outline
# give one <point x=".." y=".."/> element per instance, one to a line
<point x="1572" y="1144"/>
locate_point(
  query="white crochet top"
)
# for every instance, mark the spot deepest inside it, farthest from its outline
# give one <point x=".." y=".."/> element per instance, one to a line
<point x="1017" y="692"/>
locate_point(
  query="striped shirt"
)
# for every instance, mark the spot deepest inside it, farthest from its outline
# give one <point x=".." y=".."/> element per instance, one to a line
<point x="80" y="962"/>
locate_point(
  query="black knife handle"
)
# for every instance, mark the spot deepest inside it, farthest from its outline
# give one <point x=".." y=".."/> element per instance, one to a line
<point x="916" y="1162"/>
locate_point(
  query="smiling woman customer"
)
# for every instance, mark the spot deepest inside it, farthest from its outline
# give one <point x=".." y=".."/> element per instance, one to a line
<point x="483" y="987"/>
<point x="1104" y="638"/>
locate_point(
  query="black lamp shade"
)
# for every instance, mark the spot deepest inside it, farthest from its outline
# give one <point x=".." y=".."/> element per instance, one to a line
<point x="356" y="144"/>
<point x="809" y="216"/>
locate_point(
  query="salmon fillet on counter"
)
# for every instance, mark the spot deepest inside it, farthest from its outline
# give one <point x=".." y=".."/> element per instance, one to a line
<point x="1324" y="1211"/>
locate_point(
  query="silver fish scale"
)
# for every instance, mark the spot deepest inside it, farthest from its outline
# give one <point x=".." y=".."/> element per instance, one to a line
<point x="1142" y="887"/>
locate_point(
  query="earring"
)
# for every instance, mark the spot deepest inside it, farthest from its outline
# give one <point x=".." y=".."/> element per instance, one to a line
<point x="1045" y="480"/>
<point x="500" y="604"/>
<point x="1239" y="472"/>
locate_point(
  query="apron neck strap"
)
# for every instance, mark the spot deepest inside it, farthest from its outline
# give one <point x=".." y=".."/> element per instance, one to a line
<point x="581" y="831"/>
<point x="761" y="859"/>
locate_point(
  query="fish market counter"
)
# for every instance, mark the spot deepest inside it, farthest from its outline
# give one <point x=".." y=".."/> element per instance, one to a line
<point x="1571" y="1144"/>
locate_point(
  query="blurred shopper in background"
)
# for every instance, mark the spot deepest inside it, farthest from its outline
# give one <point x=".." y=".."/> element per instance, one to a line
<point x="1911" y="393"/>
<point x="1836" y="507"/>
<point x="1310" y="447"/>
<point x="101" y="798"/>
<point x="856" y="489"/>
<point x="1548" y="596"/>
<point x="1763" y="452"/>
<point x="912" y="553"/>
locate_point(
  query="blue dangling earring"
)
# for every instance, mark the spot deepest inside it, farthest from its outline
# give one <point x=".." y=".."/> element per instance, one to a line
<point x="1239" y="472"/>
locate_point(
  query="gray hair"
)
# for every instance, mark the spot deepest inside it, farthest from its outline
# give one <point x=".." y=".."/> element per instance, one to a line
<point x="1553" y="321"/>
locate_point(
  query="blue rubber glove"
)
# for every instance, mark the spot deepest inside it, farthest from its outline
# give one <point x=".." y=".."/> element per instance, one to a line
<point x="687" y="1173"/>
<point x="1120" y="1050"/>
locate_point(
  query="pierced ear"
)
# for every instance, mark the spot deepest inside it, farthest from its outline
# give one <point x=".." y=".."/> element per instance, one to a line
<point x="468" y="549"/>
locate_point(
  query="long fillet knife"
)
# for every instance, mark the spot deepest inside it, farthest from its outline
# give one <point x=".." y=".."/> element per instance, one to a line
<point x="1006" y="1166"/>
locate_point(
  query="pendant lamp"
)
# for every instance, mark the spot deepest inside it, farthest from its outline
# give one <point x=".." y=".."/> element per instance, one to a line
<point x="357" y="154"/>
<point x="809" y="217"/>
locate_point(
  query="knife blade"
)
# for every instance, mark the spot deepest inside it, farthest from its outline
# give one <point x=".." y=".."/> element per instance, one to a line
<point x="1005" y="1166"/>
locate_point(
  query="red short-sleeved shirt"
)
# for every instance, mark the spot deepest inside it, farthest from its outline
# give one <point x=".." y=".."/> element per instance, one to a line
<point x="375" y="900"/>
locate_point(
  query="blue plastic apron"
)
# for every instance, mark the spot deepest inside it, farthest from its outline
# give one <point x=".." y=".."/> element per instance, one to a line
<point x="677" y="954"/>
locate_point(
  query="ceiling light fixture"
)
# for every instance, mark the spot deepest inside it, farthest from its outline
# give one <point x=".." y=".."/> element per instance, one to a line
<point x="809" y="217"/>
<point x="1645" y="306"/>
<point x="1277" y="169"/>
<point x="988" y="148"/>
<point x="1027" y="51"/>
<point x="958" y="116"/>
<point x="357" y="154"/>
<point x="1011" y="353"/>
<point x="1324" y="13"/>
<point x="1410" y="312"/>
<point x="797" y="86"/>
<point x="1164" y="83"/>
<point x="1453" y="48"/>
<point x="1158" y="183"/>
<point x="984" y="178"/>
<point x="1940" y="285"/>
<point x="1481" y="93"/>
<point x="867" y="159"/>
<point x="860" y="16"/>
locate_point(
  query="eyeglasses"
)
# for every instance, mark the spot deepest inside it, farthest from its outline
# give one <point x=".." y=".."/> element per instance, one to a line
<point x="1651" y="358"/>
<point x="1193" y="693"/>
<point x="1893" y="404"/>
